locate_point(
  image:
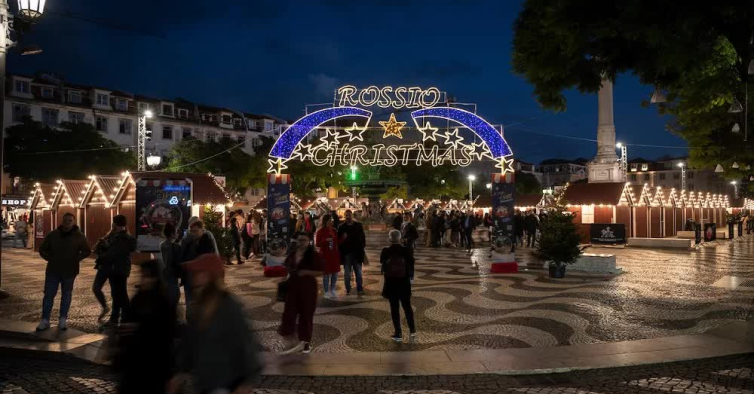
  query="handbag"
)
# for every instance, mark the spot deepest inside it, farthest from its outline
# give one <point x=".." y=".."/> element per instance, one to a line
<point x="282" y="289"/>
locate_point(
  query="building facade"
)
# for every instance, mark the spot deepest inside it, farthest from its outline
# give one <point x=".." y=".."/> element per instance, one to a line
<point x="114" y="113"/>
<point x="667" y="174"/>
<point x="558" y="172"/>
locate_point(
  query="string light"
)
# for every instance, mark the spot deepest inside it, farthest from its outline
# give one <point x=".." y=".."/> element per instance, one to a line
<point x="495" y="142"/>
<point x="386" y="97"/>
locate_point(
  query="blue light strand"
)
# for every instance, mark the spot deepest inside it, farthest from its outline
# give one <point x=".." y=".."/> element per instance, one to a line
<point x="498" y="147"/>
<point x="286" y="144"/>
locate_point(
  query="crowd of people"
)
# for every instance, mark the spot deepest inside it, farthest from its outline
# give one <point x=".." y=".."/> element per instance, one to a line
<point x="527" y="226"/>
<point x="453" y="229"/>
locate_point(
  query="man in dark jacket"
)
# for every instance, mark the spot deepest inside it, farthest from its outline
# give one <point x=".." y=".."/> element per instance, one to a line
<point x="352" y="241"/>
<point x="531" y="223"/>
<point x="468" y="224"/>
<point x="197" y="242"/>
<point x="114" y="266"/>
<point x="409" y="234"/>
<point x="397" y="287"/>
<point x="63" y="249"/>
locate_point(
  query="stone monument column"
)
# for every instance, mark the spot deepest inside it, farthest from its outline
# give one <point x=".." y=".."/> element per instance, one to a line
<point x="605" y="166"/>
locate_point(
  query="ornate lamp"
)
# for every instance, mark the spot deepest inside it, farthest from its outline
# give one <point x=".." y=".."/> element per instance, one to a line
<point x="31" y="9"/>
<point x="154" y="160"/>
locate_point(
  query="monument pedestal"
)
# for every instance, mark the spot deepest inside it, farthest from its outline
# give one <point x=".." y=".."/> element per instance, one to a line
<point x="605" y="172"/>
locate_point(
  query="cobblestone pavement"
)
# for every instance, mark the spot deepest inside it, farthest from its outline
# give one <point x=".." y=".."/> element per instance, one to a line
<point x="459" y="305"/>
<point x="24" y="372"/>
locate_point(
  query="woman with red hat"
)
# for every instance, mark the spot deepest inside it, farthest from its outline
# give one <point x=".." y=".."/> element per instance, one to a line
<point x="219" y="349"/>
<point x="304" y="266"/>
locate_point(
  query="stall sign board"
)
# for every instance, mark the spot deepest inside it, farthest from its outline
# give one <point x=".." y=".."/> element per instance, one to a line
<point x="160" y="201"/>
<point x="608" y="233"/>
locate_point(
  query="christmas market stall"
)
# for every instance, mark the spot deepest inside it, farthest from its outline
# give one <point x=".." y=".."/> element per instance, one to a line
<point x="96" y="208"/>
<point x="596" y="206"/>
<point x="40" y="204"/>
<point x="67" y="199"/>
<point x="396" y="206"/>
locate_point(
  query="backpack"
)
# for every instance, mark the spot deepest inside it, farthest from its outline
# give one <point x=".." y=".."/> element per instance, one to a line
<point x="395" y="267"/>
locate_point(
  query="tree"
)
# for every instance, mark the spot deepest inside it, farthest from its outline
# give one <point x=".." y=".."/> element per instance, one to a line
<point x="527" y="183"/>
<point x="213" y="222"/>
<point x="559" y="239"/>
<point x="37" y="152"/>
<point x="698" y="53"/>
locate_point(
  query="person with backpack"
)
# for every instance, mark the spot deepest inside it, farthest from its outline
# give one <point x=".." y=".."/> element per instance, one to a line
<point x="397" y="263"/>
<point x="113" y="265"/>
<point x="409" y="234"/>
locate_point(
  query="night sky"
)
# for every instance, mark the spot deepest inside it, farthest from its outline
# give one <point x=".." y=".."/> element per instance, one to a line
<point x="271" y="57"/>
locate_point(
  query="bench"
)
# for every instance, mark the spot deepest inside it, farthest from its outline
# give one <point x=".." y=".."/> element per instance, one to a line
<point x="675" y="243"/>
<point x="594" y="262"/>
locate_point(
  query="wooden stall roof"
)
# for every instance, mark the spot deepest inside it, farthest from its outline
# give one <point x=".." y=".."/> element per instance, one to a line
<point x="101" y="190"/>
<point x="262" y="204"/>
<point x="205" y="189"/>
<point x="344" y="203"/>
<point x="639" y="194"/>
<point x="43" y="196"/>
<point x="594" y="193"/>
<point x="528" y="200"/>
<point x="396" y="204"/>
<point x="70" y="192"/>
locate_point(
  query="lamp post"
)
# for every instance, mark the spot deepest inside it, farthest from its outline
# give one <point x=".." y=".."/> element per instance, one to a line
<point x="735" y="188"/>
<point x="623" y="160"/>
<point x="143" y="136"/>
<point x="154" y="160"/>
<point x="488" y="186"/>
<point x="353" y="178"/>
<point x="471" y="178"/>
<point x="29" y="11"/>
<point x="683" y="176"/>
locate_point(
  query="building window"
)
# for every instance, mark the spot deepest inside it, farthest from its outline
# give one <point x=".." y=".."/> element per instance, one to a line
<point x="690" y="174"/>
<point x="226" y="137"/>
<point x="646" y="177"/>
<point x="46" y="92"/>
<point x="101" y="124"/>
<point x="143" y="107"/>
<point x="186" y="132"/>
<point x="167" y="109"/>
<point x="103" y="99"/>
<point x="50" y="116"/>
<point x="211" y="136"/>
<point x="183" y="113"/>
<point x="633" y="177"/>
<point x="167" y="132"/>
<point x="125" y="126"/>
<point x="662" y="177"/>
<point x="21" y="111"/>
<point x="587" y="214"/>
<point x="22" y="86"/>
<point x="75" y="117"/>
<point x="676" y="176"/>
<point x="252" y="124"/>
<point x="267" y="126"/>
<point x="226" y="119"/>
<point x="121" y="104"/>
<point x="237" y="122"/>
<point x="645" y="167"/>
<point x="74" y="97"/>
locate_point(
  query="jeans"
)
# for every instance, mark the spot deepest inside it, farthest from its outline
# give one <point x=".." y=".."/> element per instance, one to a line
<point x="351" y="263"/>
<point x="173" y="291"/>
<point x="23" y="237"/>
<point x="530" y="239"/>
<point x="118" y="291"/>
<point x="51" y="290"/>
<point x="329" y="281"/>
<point x="469" y="240"/>
<point x="99" y="282"/>
<point x="395" y="313"/>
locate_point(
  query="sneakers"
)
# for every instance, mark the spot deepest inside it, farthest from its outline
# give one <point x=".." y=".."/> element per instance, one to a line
<point x="397" y="338"/>
<point x="307" y="348"/>
<point x="43" y="325"/>
<point x="63" y="324"/>
<point x="348" y="292"/>
<point x="413" y="334"/>
<point x="326" y="295"/>
<point x="103" y="314"/>
<point x="294" y="348"/>
<point x="332" y="295"/>
<point x="362" y="293"/>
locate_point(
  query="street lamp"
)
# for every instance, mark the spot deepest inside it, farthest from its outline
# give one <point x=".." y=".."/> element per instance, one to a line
<point x="154" y="160"/>
<point x="623" y="160"/>
<point x="735" y="188"/>
<point x="471" y="178"/>
<point x="143" y="136"/>
<point x="488" y="186"/>
<point x="683" y="176"/>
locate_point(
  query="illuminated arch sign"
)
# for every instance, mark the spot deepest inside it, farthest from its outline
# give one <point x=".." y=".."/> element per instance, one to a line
<point x="428" y="145"/>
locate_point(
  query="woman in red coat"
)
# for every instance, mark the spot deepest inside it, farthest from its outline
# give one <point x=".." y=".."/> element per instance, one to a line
<point x="326" y="241"/>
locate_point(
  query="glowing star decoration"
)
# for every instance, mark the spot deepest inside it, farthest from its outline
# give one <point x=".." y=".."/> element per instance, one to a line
<point x="428" y="132"/>
<point x="505" y="165"/>
<point x="491" y="136"/>
<point x="330" y="138"/>
<point x="276" y="165"/>
<point x="303" y="152"/>
<point x="355" y="132"/>
<point x="392" y="127"/>
<point x="453" y="139"/>
<point x="480" y="151"/>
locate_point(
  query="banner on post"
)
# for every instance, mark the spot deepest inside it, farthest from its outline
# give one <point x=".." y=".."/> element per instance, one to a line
<point x="503" y="193"/>
<point x="160" y="201"/>
<point x="278" y="206"/>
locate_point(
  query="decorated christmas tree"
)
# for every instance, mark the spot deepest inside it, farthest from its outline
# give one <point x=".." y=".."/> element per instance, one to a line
<point x="213" y="222"/>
